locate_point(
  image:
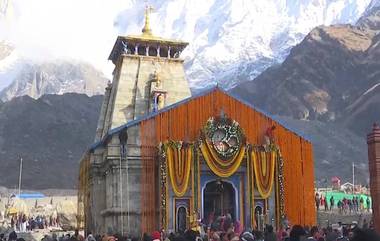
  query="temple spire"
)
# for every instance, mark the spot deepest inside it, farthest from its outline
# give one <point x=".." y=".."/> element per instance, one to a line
<point x="147" y="30"/>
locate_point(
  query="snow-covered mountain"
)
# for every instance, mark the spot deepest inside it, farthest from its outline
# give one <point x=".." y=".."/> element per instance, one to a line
<point x="231" y="41"/>
<point x="52" y="77"/>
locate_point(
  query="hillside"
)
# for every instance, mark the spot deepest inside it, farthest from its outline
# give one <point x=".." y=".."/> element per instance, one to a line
<point x="50" y="134"/>
<point x="331" y="76"/>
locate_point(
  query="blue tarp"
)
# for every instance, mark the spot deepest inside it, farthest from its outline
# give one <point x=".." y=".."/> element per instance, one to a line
<point x="30" y="195"/>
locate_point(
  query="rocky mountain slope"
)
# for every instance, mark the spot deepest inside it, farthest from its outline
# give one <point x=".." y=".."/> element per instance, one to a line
<point x="331" y="76"/>
<point x="51" y="77"/>
<point x="50" y="134"/>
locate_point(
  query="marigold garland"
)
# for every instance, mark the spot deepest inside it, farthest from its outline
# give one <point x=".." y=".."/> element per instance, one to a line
<point x="251" y="186"/>
<point x="163" y="191"/>
<point x="221" y="167"/>
<point x="264" y="165"/>
<point x="179" y="158"/>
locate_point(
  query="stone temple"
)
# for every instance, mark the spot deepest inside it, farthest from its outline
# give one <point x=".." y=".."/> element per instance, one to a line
<point x="163" y="159"/>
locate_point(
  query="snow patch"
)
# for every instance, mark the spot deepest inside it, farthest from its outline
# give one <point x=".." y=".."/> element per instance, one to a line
<point x="371" y="89"/>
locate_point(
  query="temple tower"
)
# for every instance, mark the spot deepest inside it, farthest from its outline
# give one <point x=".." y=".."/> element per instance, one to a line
<point x="148" y="76"/>
<point x="373" y="141"/>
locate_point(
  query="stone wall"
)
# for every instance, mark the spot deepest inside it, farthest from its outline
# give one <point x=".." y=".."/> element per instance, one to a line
<point x="115" y="202"/>
<point x="130" y="95"/>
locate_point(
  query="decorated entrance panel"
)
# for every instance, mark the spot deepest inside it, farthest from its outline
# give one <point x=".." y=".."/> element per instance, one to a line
<point x="222" y="146"/>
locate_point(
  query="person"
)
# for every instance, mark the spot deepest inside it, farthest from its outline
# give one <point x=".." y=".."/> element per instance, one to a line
<point x="368" y="202"/>
<point x="361" y="204"/>
<point x="331" y="235"/>
<point x="297" y="233"/>
<point x="350" y="205"/>
<point x="23" y="223"/>
<point x="238" y="228"/>
<point x="46" y="238"/>
<point x="323" y="201"/>
<point x="247" y="236"/>
<point x="314" y="234"/>
<point x="344" y="205"/>
<point x="365" y="235"/>
<point x="258" y="235"/>
<point x="269" y="234"/>
<point x="339" y="205"/>
<point x="54" y="237"/>
<point x="13" y="224"/>
<point x="78" y="236"/>
<point x="317" y="201"/>
<point x="2" y="237"/>
<point x="12" y="236"/>
<point x="353" y="204"/>
<point x="90" y="237"/>
<point x="332" y="202"/>
<point x="280" y="232"/>
<point x="365" y="224"/>
<point x="156" y="236"/>
<point x="343" y="235"/>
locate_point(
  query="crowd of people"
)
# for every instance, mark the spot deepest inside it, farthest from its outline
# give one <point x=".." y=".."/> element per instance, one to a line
<point x="24" y="223"/>
<point x="219" y="228"/>
<point x="344" y="205"/>
<point x="295" y="233"/>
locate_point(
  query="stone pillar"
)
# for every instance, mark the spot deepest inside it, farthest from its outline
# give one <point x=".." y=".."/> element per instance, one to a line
<point x="158" y="51"/>
<point x="147" y="51"/>
<point x="169" y="52"/>
<point x="136" y="49"/>
<point x="373" y="141"/>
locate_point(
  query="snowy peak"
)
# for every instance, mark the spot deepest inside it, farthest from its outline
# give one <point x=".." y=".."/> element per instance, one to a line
<point x="234" y="41"/>
<point x="5" y="50"/>
<point x="58" y="77"/>
<point x="370" y="20"/>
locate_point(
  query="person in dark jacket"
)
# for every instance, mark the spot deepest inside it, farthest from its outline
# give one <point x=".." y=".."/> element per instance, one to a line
<point x="12" y="236"/>
<point x="269" y="234"/>
<point x="297" y="233"/>
<point x="365" y="235"/>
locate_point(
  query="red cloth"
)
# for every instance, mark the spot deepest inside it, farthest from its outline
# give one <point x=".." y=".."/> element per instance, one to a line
<point x="156" y="235"/>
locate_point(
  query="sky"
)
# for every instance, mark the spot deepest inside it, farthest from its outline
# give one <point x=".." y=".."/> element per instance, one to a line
<point x="45" y="29"/>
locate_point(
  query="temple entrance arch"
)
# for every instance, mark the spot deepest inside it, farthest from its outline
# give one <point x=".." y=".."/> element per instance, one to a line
<point x="219" y="198"/>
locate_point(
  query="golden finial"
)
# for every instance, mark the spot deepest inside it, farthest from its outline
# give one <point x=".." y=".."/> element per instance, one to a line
<point x="147" y="30"/>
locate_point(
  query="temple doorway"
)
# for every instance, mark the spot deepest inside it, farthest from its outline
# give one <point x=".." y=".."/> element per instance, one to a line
<point x="181" y="219"/>
<point x="219" y="199"/>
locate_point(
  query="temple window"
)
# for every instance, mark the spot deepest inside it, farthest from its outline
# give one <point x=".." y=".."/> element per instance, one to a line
<point x="158" y="101"/>
<point x="164" y="52"/>
<point x="130" y="49"/>
<point x="152" y="51"/>
<point x="174" y="53"/>
<point x="141" y="50"/>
